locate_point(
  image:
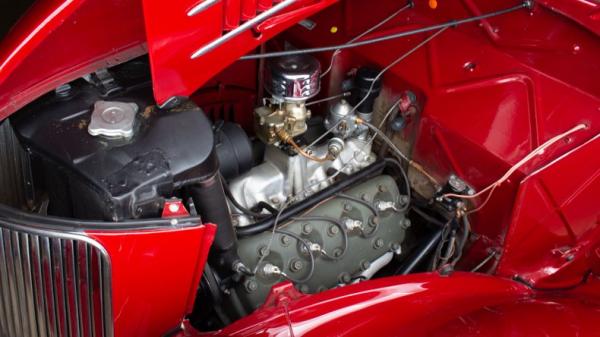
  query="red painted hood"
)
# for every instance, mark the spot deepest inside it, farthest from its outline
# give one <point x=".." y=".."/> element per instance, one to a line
<point x="60" y="40"/>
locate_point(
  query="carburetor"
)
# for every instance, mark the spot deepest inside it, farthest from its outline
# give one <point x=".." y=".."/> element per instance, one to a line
<point x="290" y="81"/>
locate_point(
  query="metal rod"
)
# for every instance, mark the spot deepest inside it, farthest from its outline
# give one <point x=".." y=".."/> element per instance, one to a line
<point x="330" y="98"/>
<point x="242" y="28"/>
<point x="408" y="5"/>
<point x="421" y="253"/>
<point x="201" y="7"/>
<point x="452" y="23"/>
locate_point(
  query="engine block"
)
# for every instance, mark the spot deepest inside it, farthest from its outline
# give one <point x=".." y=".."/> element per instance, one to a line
<point x="348" y="236"/>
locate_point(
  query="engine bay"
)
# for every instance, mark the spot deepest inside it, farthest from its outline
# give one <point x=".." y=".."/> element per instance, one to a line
<point x="321" y="171"/>
<point x="307" y="199"/>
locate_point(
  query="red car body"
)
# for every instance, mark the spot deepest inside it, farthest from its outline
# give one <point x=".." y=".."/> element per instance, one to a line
<point x="495" y="89"/>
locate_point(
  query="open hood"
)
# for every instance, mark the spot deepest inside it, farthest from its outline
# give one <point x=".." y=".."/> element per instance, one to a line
<point x="191" y="41"/>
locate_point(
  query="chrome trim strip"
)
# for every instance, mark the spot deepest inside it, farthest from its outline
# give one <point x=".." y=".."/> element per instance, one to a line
<point x="201" y="7"/>
<point x="242" y="28"/>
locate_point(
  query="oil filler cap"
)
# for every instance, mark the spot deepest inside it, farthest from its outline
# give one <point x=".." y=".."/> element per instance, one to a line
<point x="113" y="119"/>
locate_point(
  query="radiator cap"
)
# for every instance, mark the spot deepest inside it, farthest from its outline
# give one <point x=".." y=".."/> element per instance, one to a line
<point x="113" y="119"/>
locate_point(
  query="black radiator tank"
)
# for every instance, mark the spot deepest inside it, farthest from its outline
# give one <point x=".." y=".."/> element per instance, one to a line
<point x="107" y="178"/>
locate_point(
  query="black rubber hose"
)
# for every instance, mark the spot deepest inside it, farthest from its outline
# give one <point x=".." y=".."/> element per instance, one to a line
<point x="209" y="199"/>
<point x="296" y="208"/>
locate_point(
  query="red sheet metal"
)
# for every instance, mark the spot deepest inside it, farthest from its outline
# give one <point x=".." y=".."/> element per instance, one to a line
<point x="155" y="275"/>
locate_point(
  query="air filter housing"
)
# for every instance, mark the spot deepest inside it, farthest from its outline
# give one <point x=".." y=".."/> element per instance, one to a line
<point x="293" y="78"/>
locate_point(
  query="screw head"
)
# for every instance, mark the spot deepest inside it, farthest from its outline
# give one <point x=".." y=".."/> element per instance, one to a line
<point x="364" y="265"/>
<point x="378" y="243"/>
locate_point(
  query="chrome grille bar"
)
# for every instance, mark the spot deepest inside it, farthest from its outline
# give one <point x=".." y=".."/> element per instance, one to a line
<point x="53" y="284"/>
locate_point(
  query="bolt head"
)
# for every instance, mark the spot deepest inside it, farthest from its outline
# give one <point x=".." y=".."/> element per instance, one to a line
<point x="307" y="228"/>
<point x="333" y="230"/>
<point x="251" y="286"/>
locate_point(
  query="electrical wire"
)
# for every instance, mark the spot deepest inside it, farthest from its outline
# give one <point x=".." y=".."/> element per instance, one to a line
<point x="311" y="271"/>
<point x="337" y="223"/>
<point x="399" y="153"/>
<point x="484" y="262"/>
<point x="327" y="99"/>
<point x="406" y="181"/>
<point x="452" y="23"/>
<point x="379" y="75"/>
<point x="538" y="151"/>
<point x="374" y="221"/>
<point x="408" y="5"/>
<point x="466" y="230"/>
<point x="360" y="201"/>
<point x="345" y="165"/>
<point x="237" y="204"/>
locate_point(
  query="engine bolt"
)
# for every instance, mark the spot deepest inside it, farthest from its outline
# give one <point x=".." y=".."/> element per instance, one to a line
<point x="307" y="229"/>
<point x="296" y="265"/>
<point x="333" y="230"/>
<point x="285" y="240"/>
<point x="263" y="251"/>
<point x="364" y="265"/>
<point x="344" y="278"/>
<point x="378" y="243"/>
<point x="382" y="188"/>
<point x="337" y="252"/>
<point x="365" y="197"/>
<point x="373" y="221"/>
<point x="250" y="286"/>
<point x="347" y="207"/>
<point x="405" y="223"/>
<point x="395" y="246"/>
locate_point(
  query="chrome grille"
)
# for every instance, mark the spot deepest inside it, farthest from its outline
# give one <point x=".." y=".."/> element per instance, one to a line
<point x="53" y="284"/>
